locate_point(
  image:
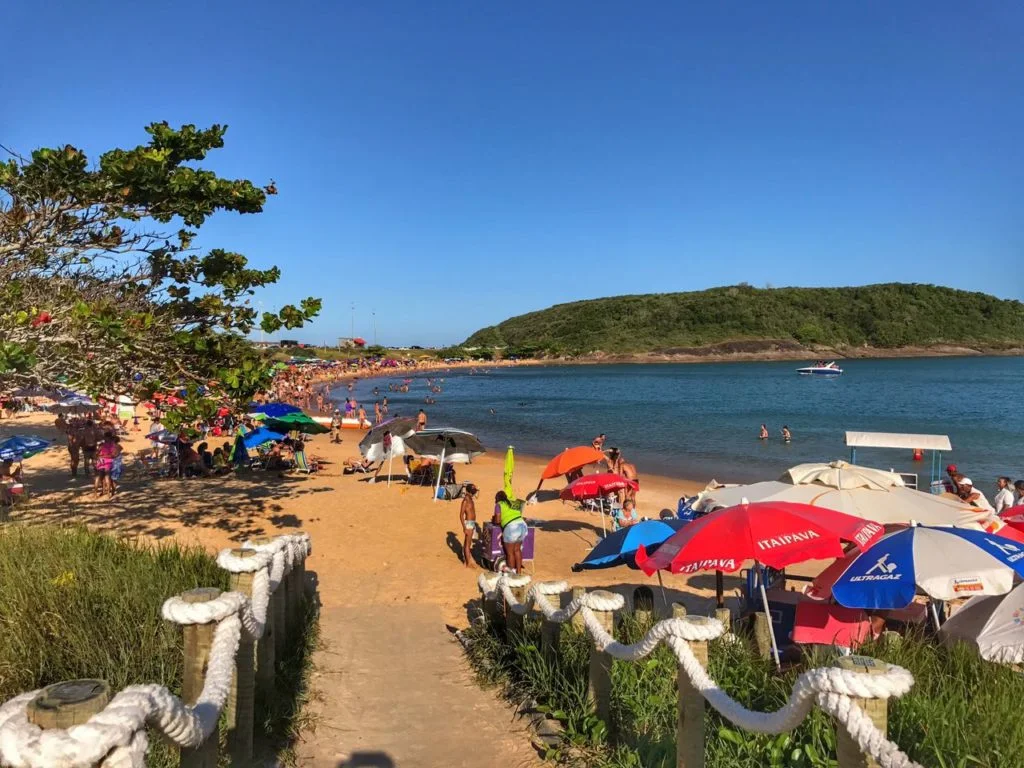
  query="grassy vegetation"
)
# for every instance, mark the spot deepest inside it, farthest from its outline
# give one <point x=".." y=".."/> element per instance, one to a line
<point x="961" y="712"/>
<point x="77" y="604"/>
<point x="886" y="316"/>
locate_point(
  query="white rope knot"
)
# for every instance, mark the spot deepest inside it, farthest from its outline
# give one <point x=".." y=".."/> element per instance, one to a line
<point x="550" y="587"/>
<point x="180" y="612"/>
<point x="600" y="600"/>
<point x="488" y="585"/>
<point x="233" y="563"/>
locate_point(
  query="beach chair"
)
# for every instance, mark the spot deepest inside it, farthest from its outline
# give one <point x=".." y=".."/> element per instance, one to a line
<point x="305" y="466"/>
<point x="817" y="623"/>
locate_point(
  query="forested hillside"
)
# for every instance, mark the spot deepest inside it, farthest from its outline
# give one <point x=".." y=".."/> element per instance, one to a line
<point x="884" y="316"/>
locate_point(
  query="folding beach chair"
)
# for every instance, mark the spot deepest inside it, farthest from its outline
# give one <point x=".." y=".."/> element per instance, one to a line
<point x="304" y="465"/>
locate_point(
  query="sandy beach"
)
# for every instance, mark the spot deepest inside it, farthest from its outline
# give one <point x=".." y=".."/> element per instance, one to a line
<point x="378" y="551"/>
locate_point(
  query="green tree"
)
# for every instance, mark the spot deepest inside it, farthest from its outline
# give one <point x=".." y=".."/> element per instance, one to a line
<point x="100" y="284"/>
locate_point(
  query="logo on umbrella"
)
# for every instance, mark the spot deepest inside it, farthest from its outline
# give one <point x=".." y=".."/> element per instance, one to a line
<point x="882" y="570"/>
<point x="787" y="538"/>
<point x="866" y="534"/>
<point x="725" y="564"/>
<point x="1012" y="551"/>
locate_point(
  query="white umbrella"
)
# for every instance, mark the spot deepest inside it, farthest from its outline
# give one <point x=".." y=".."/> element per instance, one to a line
<point x="375" y="452"/>
<point x="859" y="493"/>
<point x="993" y="624"/>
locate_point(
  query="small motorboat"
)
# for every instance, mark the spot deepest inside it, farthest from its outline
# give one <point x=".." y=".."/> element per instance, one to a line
<point x="821" y="369"/>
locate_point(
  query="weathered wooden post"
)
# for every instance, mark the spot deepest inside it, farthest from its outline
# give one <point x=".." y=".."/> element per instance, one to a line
<point x="297" y="596"/>
<point x="599" y="688"/>
<point x="265" y="645"/>
<point x="643" y="605"/>
<point x="847" y="750"/>
<point x="62" y="705"/>
<point x="515" y="619"/>
<point x="279" y="602"/>
<point x="577" y="619"/>
<point x="241" y="703"/>
<point x="492" y="606"/>
<point x="197" y="641"/>
<point x="550" y="632"/>
<point x="724" y="615"/>
<point x="763" y="635"/>
<point x="678" y="610"/>
<point x="690" y="731"/>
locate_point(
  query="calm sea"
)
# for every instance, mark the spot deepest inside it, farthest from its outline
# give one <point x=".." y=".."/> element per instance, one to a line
<point x="700" y="421"/>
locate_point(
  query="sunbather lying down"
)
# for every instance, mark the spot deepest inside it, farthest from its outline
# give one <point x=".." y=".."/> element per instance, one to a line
<point x="357" y="464"/>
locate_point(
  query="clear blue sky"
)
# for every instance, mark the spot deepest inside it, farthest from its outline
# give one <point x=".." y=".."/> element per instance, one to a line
<point x="449" y="164"/>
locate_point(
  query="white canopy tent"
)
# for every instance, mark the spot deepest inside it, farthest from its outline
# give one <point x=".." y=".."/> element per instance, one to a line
<point x="872" y="494"/>
<point x="900" y="440"/>
<point x="993" y="625"/>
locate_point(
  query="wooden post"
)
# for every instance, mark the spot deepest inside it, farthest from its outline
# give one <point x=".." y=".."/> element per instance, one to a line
<point x="516" y="620"/>
<point x="724" y="615"/>
<point x="847" y="751"/>
<point x="762" y="635"/>
<point x="62" y="705"/>
<point x="240" y="707"/>
<point x="678" y="610"/>
<point x="690" y="731"/>
<point x="577" y="619"/>
<point x="197" y="641"/>
<point x="599" y="688"/>
<point x="265" y="645"/>
<point x="279" y="601"/>
<point x="643" y="605"/>
<point x="549" y="633"/>
<point x="492" y="610"/>
<point x="297" y="596"/>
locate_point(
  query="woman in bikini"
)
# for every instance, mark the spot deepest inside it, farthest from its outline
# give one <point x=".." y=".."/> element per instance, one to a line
<point x="467" y="518"/>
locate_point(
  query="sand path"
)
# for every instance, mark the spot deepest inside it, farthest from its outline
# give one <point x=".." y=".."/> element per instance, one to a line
<point x="392" y="687"/>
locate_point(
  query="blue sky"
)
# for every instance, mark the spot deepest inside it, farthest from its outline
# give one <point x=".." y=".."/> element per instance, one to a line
<point x="450" y="164"/>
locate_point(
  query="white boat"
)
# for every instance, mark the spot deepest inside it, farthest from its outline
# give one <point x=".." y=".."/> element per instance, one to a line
<point x="825" y="369"/>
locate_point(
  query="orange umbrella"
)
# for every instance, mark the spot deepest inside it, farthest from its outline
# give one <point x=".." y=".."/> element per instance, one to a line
<point x="570" y="459"/>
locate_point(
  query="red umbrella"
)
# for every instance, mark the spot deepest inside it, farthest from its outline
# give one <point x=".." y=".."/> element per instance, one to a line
<point x="595" y="486"/>
<point x="776" y="533"/>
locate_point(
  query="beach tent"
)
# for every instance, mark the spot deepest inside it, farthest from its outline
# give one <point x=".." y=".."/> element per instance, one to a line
<point x="992" y="624"/>
<point x="871" y="494"/>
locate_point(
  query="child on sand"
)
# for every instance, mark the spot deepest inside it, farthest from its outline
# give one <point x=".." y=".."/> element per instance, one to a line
<point x="467" y="517"/>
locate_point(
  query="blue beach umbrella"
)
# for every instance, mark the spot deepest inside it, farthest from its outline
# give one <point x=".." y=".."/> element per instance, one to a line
<point x="260" y="436"/>
<point x="619" y="548"/>
<point x="275" y="410"/>
<point x="20" y="447"/>
<point x="944" y="563"/>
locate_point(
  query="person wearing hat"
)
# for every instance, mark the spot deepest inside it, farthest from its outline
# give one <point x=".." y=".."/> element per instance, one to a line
<point x="969" y="493"/>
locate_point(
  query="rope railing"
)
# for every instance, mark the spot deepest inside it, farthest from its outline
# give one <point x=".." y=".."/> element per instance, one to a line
<point x="76" y="725"/>
<point x="854" y="693"/>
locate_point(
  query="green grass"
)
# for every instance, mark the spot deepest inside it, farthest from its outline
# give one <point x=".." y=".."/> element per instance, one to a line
<point x="961" y="712"/>
<point x="78" y="604"/>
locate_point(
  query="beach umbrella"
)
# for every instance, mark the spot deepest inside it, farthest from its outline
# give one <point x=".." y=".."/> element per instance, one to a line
<point x="299" y="422"/>
<point x="275" y="410"/>
<point x="164" y="436"/>
<point x="992" y="624"/>
<point x="400" y="426"/>
<point x="260" y="436"/>
<point x="944" y="563"/>
<point x="570" y="460"/>
<point x="867" y="493"/>
<point x="597" y="487"/>
<point x="445" y="444"/>
<point x="620" y="547"/>
<point x="18" y="447"/>
<point x="776" y="534"/>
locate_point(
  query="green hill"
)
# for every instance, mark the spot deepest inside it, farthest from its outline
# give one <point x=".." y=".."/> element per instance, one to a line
<point x="883" y="316"/>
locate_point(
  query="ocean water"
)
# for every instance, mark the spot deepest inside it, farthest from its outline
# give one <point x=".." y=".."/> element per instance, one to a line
<point x="699" y="421"/>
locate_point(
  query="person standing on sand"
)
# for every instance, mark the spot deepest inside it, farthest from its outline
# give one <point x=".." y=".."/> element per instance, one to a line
<point x="513" y="530"/>
<point x="763" y="435"/>
<point x="467" y="518"/>
<point x="421" y="420"/>
<point x="377" y="413"/>
<point x="90" y="438"/>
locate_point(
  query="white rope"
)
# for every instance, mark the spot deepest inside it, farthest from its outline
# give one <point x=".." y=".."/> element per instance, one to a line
<point x="116" y="736"/>
<point x="832" y="688"/>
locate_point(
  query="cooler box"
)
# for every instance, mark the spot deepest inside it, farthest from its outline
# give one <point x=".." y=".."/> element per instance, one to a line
<point x="492" y="543"/>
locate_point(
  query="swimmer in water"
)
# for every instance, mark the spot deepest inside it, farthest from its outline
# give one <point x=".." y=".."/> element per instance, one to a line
<point x="764" y="432"/>
<point x="787" y="436"/>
